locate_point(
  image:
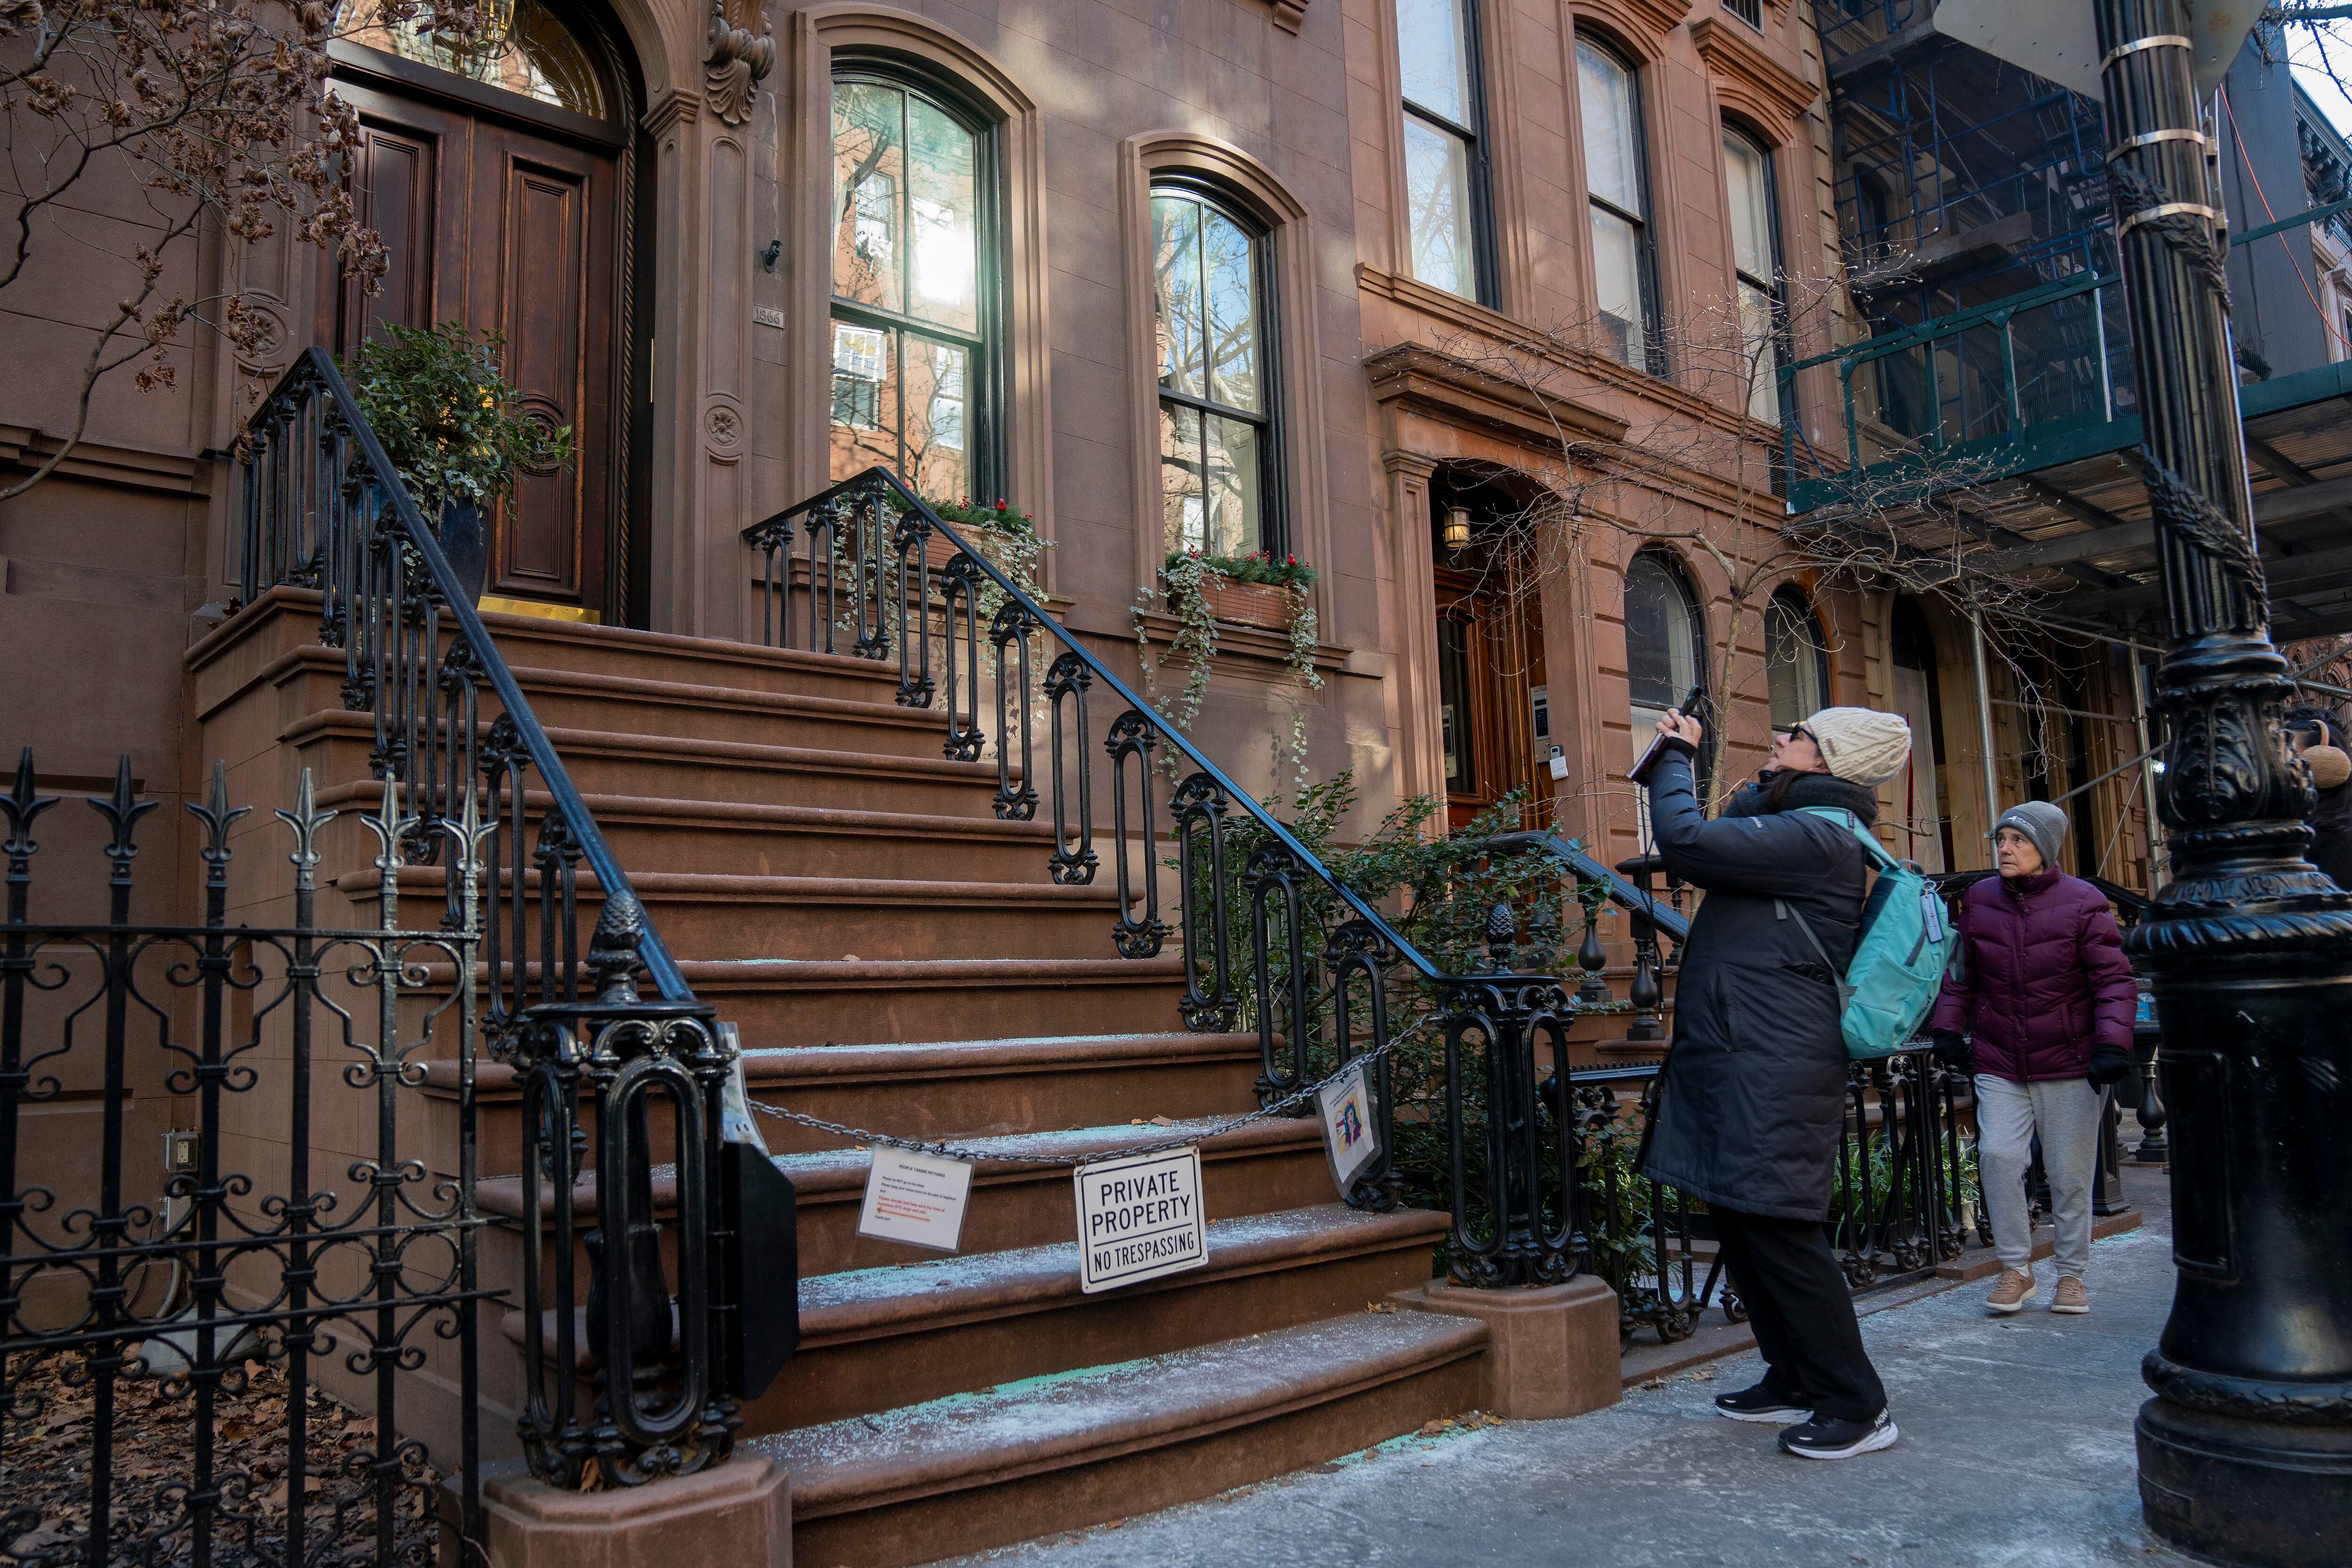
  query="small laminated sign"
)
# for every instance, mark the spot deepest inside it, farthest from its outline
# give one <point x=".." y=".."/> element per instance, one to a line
<point x="1349" y="1137"/>
<point x="915" y="1199"/>
<point x="1138" y="1218"/>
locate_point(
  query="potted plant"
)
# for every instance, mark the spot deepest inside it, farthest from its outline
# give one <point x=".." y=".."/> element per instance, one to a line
<point x="1003" y="533"/>
<point x="455" y="429"/>
<point x="1253" y="590"/>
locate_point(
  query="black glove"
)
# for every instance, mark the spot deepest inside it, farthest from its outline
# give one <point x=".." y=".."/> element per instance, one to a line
<point x="2109" y="1065"/>
<point x="1952" y="1049"/>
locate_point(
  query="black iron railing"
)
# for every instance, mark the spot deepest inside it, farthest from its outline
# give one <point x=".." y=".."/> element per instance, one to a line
<point x="453" y="732"/>
<point x="867" y="568"/>
<point x="203" y="1357"/>
<point x="1906" y="1195"/>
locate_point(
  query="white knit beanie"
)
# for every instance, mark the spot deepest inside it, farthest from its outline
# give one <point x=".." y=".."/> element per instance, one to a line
<point x="1862" y="745"/>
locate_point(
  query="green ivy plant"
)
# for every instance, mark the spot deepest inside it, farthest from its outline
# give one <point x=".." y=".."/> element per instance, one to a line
<point x="1186" y="580"/>
<point x="453" y="425"/>
<point x="1435" y="891"/>
<point x="1008" y="537"/>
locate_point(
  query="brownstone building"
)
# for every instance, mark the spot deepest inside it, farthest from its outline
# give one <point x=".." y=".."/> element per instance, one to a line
<point x="1230" y="277"/>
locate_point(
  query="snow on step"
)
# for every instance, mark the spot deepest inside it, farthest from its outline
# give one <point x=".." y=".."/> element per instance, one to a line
<point x="1062" y="1418"/>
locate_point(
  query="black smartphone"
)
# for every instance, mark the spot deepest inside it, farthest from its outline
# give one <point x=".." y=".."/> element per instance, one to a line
<point x="1649" y="757"/>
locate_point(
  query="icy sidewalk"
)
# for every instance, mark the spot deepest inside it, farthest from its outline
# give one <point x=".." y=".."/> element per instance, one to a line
<point x="2016" y="1451"/>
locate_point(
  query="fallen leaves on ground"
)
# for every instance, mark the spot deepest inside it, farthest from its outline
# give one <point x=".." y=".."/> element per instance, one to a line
<point x="46" y="1447"/>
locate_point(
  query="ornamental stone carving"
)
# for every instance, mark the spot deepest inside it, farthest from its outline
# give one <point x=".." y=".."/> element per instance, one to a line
<point x="737" y="58"/>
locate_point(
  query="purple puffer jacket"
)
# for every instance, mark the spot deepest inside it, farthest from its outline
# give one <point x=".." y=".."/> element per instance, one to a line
<point x="2040" y="978"/>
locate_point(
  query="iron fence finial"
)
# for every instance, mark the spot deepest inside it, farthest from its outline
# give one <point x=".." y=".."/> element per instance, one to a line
<point x="613" y="949"/>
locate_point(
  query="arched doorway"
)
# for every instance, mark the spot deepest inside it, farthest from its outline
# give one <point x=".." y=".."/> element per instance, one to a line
<point x="497" y="178"/>
<point x="1493" y="715"/>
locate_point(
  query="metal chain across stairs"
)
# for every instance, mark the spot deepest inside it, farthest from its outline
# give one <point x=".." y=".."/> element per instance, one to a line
<point x="964" y="1152"/>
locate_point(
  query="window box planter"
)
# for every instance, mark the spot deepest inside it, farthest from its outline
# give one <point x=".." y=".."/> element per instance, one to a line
<point x="1267" y="604"/>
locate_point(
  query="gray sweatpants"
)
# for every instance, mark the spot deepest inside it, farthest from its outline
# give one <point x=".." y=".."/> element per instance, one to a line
<point x="2067" y="1112"/>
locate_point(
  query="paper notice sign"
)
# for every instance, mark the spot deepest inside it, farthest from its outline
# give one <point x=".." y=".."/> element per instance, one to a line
<point x="915" y="1199"/>
<point x="1347" y="1134"/>
<point x="1138" y="1218"/>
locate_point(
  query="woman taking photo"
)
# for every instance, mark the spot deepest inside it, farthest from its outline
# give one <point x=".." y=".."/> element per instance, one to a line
<point x="2041" y="979"/>
<point x="1751" y="1099"/>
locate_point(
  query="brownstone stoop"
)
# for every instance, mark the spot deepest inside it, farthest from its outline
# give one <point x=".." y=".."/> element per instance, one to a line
<point x="896" y="958"/>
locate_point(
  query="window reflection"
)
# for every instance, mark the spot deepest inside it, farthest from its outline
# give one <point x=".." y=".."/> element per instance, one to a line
<point x="1611" y="109"/>
<point x="1443" y="122"/>
<point x="1213" y="407"/>
<point x="1755" y="251"/>
<point x="905" y="276"/>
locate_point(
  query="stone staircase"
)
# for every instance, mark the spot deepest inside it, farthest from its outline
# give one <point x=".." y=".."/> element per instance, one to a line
<point x="896" y="958"/>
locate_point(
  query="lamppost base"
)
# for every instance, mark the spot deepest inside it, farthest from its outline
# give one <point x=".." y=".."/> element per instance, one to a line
<point x="2252" y="1494"/>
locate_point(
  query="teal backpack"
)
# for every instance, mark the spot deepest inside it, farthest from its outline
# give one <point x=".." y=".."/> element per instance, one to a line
<point x="1899" y="956"/>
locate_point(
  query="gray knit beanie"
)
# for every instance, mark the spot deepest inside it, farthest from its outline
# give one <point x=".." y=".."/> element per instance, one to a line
<point x="2040" y="821"/>
<point x="1861" y="745"/>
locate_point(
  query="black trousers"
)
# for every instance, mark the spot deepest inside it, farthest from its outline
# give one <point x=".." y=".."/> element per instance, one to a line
<point x="1803" y="1311"/>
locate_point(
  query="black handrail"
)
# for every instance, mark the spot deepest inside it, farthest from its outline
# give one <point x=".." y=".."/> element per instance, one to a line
<point x="758" y="535"/>
<point x="370" y="474"/>
<point x="325" y="509"/>
<point x="1621" y="889"/>
<point x="1511" y="1175"/>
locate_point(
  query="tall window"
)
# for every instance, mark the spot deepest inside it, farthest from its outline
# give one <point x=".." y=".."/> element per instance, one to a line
<point x="1665" y="641"/>
<point x="1756" y="257"/>
<point x="1217" y="451"/>
<point x="1446" y="179"/>
<point x="912" y="320"/>
<point x="1796" y="660"/>
<point x="1617" y="183"/>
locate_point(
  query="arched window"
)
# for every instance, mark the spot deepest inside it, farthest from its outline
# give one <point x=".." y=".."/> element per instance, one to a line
<point x="1447" y="207"/>
<point x="1796" y="660"/>
<point x="1665" y="640"/>
<point x="913" y="320"/>
<point x="1756" y="260"/>
<point x="1616" y="179"/>
<point x="1219" y="457"/>
<point x="524" y="50"/>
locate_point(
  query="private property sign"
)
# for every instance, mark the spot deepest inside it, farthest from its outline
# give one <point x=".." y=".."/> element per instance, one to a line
<point x="1138" y="1218"/>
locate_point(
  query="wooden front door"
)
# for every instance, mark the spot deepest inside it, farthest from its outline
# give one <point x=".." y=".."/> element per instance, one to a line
<point x="1488" y="670"/>
<point x="509" y="230"/>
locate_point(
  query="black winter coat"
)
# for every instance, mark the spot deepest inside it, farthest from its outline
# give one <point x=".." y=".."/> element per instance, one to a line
<point x="1751" y="1100"/>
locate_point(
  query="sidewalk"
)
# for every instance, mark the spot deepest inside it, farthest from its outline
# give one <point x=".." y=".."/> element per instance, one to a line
<point x="2016" y="1451"/>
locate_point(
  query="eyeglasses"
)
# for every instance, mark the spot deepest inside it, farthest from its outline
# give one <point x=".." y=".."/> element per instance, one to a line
<point x="1799" y="732"/>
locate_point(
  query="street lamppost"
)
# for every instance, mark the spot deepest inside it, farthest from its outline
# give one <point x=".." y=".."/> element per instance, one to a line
<point x="2245" y="1452"/>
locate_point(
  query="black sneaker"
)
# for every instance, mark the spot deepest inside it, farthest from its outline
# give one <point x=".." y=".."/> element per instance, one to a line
<point x="1827" y="1437"/>
<point x="1761" y="1404"/>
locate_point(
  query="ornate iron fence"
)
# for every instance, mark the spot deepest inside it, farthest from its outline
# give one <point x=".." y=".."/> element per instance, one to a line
<point x="454" y="734"/>
<point x="1906" y="1195"/>
<point x="867" y="568"/>
<point x="211" y="1357"/>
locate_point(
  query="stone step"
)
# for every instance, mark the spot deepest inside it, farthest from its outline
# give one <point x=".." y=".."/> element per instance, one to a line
<point x="526" y="641"/>
<point x="567" y="699"/>
<point x="1002" y="1087"/>
<point x="1018" y="1201"/>
<point x="1023" y="1459"/>
<point x="873" y="1338"/>
<point x="763" y="839"/>
<point x="782" y="1002"/>
<point x="335" y="744"/>
<point x="960" y="1088"/>
<point x="851" y="919"/>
